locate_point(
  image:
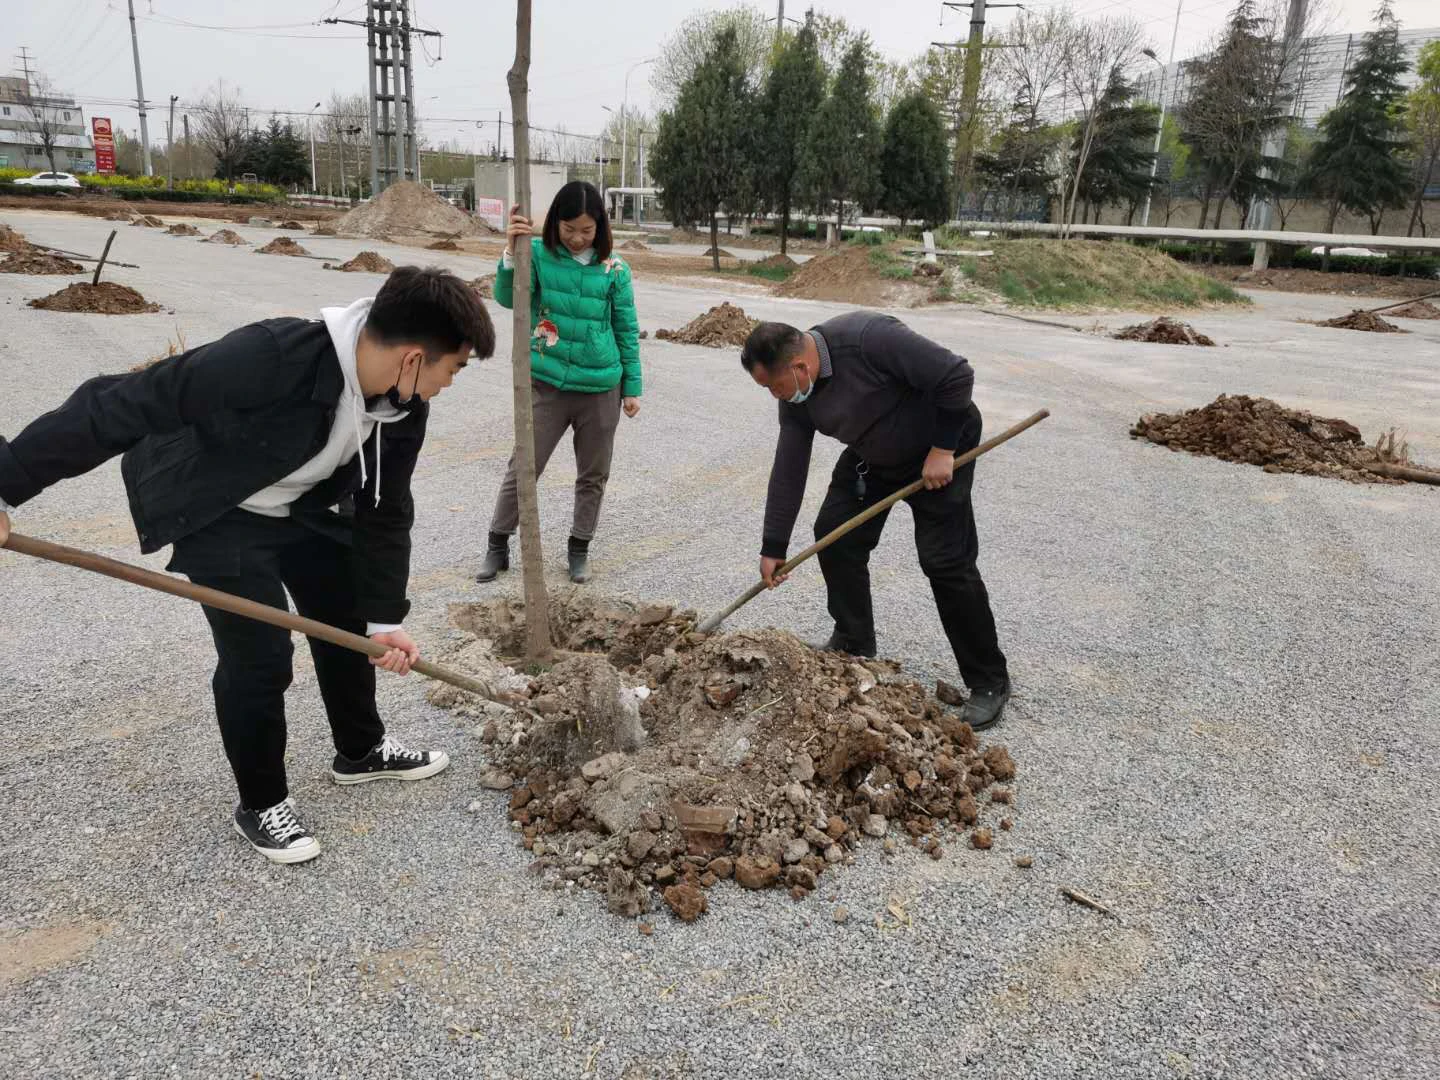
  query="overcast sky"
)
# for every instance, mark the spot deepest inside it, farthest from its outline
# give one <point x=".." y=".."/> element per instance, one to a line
<point x="276" y="52"/>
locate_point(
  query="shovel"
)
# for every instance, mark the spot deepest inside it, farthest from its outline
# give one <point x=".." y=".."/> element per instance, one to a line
<point x="865" y="515"/>
<point x="250" y="609"/>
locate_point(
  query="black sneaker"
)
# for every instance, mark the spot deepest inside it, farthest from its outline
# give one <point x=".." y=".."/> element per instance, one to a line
<point x="835" y="643"/>
<point x="389" y="761"/>
<point x="277" y="833"/>
<point x="985" y="707"/>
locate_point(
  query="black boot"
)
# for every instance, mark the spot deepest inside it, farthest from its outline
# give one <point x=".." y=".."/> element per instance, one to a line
<point x="497" y="557"/>
<point x="985" y="707"/>
<point x="579" y="560"/>
<point x="838" y="644"/>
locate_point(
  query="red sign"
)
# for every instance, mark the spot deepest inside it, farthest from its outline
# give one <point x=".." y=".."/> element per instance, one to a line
<point x="104" y="144"/>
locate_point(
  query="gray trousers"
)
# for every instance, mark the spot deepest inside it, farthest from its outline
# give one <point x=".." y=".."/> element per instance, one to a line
<point x="594" y="418"/>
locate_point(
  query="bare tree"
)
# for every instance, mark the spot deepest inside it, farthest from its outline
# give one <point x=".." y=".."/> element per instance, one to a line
<point x="347" y="125"/>
<point x="224" y="125"/>
<point x="1096" y="52"/>
<point x="682" y="53"/>
<point x="42" y="117"/>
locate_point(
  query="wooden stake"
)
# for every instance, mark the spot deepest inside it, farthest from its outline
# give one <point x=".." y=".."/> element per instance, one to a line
<point x="103" y="256"/>
<point x="1086" y="901"/>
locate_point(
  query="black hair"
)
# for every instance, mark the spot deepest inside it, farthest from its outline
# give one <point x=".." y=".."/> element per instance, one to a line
<point x="432" y="308"/>
<point x="772" y="346"/>
<point x="572" y="200"/>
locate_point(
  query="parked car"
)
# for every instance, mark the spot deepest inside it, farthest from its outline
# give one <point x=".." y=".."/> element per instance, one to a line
<point x="50" y="180"/>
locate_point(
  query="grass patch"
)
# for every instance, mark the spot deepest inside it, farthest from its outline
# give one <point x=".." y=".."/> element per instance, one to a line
<point x="1091" y="274"/>
<point x="869" y="239"/>
<point x="769" y="273"/>
<point x="890" y="265"/>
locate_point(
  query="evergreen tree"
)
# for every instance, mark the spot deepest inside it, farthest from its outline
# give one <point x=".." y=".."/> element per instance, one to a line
<point x="287" y="156"/>
<point x="793" y="94"/>
<point x="841" y="163"/>
<point x="704" y="144"/>
<point x="915" y="164"/>
<point x="1358" y="162"/>
<point x="1019" y="164"/>
<point x="1118" y="169"/>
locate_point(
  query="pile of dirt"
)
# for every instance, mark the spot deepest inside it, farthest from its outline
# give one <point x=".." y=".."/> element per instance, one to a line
<point x="35" y="261"/>
<point x="148" y="221"/>
<point x="291" y="225"/>
<point x="407" y="208"/>
<point x="1164" y="331"/>
<point x="282" y="245"/>
<point x="107" y="298"/>
<point x="1363" y="320"/>
<point x="719" y="327"/>
<point x="484" y="285"/>
<point x="651" y="758"/>
<point x="1420" y="309"/>
<point x="226" y="236"/>
<point x="367" y="262"/>
<point x="634" y="245"/>
<point x="325" y="228"/>
<point x="777" y="260"/>
<point x="443" y="245"/>
<point x="847" y="276"/>
<point x="1258" y="431"/>
<point x="183" y="230"/>
<point x="721" y="252"/>
<point x="10" y="240"/>
<point x="119" y="215"/>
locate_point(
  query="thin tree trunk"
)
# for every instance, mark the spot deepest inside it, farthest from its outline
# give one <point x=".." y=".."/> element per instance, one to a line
<point x="784" y="224"/>
<point x="715" y="240"/>
<point x="539" y="647"/>
<point x="839" y="224"/>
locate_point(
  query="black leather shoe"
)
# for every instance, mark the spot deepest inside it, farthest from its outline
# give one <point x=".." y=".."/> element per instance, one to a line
<point x="497" y="558"/>
<point x="985" y="707"/>
<point x="579" y="553"/>
<point x="838" y="644"/>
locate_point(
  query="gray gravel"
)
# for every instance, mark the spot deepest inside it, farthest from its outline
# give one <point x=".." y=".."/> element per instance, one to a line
<point x="1225" y="723"/>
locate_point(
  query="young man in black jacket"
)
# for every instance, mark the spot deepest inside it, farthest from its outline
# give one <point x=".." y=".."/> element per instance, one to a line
<point x="901" y="405"/>
<point x="277" y="459"/>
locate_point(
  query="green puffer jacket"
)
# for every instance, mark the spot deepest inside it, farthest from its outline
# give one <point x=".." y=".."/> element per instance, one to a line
<point x="585" y="334"/>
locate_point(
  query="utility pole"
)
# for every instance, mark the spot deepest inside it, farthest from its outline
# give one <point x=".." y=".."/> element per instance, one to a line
<point x="970" y="91"/>
<point x="189" y="171"/>
<point x="170" y="146"/>
<point x="1160" y="124"/>
<point x="1274" y="146"/>
<point x="140" y="94"/>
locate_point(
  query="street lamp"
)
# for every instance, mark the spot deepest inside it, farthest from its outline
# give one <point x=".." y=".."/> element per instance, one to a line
<point x="600" y="154"/>
<point x="1160" y="126"/>
<point x="309" y="123"/>
<point x="625" y="124"/>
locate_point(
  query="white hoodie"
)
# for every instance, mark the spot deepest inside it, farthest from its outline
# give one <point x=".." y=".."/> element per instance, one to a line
<point x="350" y="427"/>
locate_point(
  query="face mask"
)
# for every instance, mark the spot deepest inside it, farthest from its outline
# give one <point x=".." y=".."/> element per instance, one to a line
<point x="800" y="396"/>
<point x="411" y="403"/>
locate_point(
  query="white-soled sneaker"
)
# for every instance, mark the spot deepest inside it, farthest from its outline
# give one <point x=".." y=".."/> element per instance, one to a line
<point x="277" y="833"/>
<point x="389" y="761"/>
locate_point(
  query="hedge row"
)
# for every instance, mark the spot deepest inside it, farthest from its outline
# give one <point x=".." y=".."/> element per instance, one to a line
<point x="1289" y="256"/>
<point x="132" y="194"/>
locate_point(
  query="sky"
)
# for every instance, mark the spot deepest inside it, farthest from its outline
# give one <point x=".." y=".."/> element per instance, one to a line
<point x="281" y="57"/>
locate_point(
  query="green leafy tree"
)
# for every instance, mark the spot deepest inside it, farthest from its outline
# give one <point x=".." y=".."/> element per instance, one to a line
<point x="1120" y="150"/>
<point x="915" y="164"/>
<point x="1422" y="123"/>
<point x="703" y="147"/>
<point x="793" y="94"/>
<point x="1018" y="166"/>
<point x="1358" y="162"/>
<point x="841" y="164"/>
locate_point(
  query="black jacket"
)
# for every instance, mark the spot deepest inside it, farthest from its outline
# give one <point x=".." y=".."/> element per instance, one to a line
<point x="205" y="430"/>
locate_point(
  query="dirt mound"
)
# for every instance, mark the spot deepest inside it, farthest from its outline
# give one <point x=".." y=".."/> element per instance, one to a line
<point x="408" y="208"/>
<point x="1420" y="309"/>
<point x="148" y="221"/>
<point x="183" y="230"/>
<point x="634" y="245"/>
<point x="35" y="261"/>
<point x="849" y="276"/>
<point x="10" y="240"/>
<point x="119" y="215"/>
<point x="1363" y="320"/>
<point x="777" y="260"/>
<point x="484" y="285"/>
<point x="1164" y="331"/>
<point x="443" y="245"/>
<point x="720" y="326"/>
<point x="651" y="757"/>
<point x="367" y="262"/>
<point x="282" y="245"/>
<point x="226" y="236"/>
<point x="325" y="228"/>
<point x="291" y="225"/>
<point x="1257" y="431"/>
<point x="107" y="298"/>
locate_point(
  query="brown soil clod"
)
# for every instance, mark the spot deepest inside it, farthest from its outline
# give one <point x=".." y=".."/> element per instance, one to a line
<point x="721" y="326"/>
<point x="325" y="228"/>
<point x="35" y="261"/>
<point x="1164" y="331"/>
<point x="1258" y="431"/>
<point x="148" y="221"/>
<point x="292" y="225"/>
<point x="777" y="260"/>
<point x="282" y="245"/>
<point x="1420" y="309"/>
<point x="651" y="757"/>
<point x="711" y="253"/>
<point x="634" y="245"/>
<point x="107" y="298"/>
<point x="181" y="229"/>
<point x="10" y="240"/>
<point x="226" y="236"/>
<point x="367" y="262"/>
<point x="408" y="208"/>
<point x="119" y="215"/>
<point x="1363" y="320"/>
<point x="443" y="245"/>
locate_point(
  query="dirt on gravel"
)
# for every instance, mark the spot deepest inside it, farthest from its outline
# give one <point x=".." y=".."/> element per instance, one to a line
<point x="325" y="228"/>
<point x="290" y="224"/>
<point x="148" y="221"/>
<point x="1363" y="320"/>
<point x="720" y="327"/>
<point x="1420" y="309"/>
<point x="282" y="245"/>
<point x="107" y="298"/>
<point x="711" y="253"/>
<point x="1258" y="431"/>
<point x="634" y="245"/>
<point x="651" y="761"/>
<point x="11" y="240"/>
<point x="443" y="245"/>
<point x="226" y="236"/>
<point x="367" y="262"/>
<point x="849" y="276"/>
<point x="183" y="230"/>
<point x="1164" y="331"/>
<point x="39" y="262"/>
<point x="484" y="285"/>
<point x="102" y="206"/>
<point x="119" y="215"/>
<point x="408" y="208"/>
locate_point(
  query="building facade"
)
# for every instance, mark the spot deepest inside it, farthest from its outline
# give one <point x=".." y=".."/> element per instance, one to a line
<point x="21" y="146"/>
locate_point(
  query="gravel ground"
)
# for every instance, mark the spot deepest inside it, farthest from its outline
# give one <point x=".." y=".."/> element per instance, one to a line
<point x="1225" y="724"/>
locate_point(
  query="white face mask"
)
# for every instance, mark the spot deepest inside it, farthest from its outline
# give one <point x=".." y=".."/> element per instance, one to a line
<point x="800" y="396"/>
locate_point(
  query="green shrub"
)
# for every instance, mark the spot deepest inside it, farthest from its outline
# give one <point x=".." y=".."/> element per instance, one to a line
<point x="868" y="239"/>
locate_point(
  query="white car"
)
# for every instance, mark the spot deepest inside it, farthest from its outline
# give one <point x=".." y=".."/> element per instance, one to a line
<point x="49" y="179"/>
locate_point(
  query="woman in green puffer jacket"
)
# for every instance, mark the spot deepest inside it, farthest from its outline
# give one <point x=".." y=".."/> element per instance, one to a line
<point x="584" y="359"/>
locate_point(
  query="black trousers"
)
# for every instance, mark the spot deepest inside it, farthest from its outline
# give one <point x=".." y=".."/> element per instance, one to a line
<point x="946" y="542"/>
<point x="261" y="558"/>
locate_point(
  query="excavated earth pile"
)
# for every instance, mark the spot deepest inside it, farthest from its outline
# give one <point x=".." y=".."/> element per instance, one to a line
<point x="282" y="245"/>
<point x="226" y="236"/>
<point x="107" y="298"/>
<point x="654" y="759"/>
<point x="1258" y="431"/>
<point x="409" y="209"/>
<point x="722" y="326"/>
<point x="1420" y="309"/>
<point x="367" y="262"/>
<point x="39" y="262"/>
<point x="1363" y="320"/>
<point x="10" y="240"/>
<point x="1164" y="331"/>
<point x="182" y="230"/>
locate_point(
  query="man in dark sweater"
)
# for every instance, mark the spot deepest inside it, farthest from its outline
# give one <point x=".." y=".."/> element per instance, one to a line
<point x="279" y="459"/>
<point x="901" y="405"/>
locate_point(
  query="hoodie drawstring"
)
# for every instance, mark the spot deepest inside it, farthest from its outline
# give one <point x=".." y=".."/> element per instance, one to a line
<point x="355" y="413"/>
